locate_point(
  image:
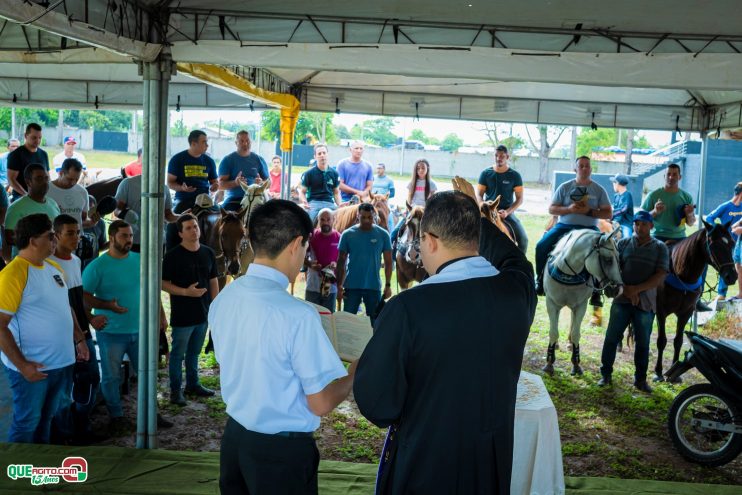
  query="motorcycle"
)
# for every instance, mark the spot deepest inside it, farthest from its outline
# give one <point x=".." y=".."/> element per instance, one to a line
<point x="705" y="420"/>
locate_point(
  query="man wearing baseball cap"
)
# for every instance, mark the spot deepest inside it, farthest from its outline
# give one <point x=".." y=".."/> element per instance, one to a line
<point x="68" y="152"/>
<point x="644" y="264"/>
<point x="623" y="205"/>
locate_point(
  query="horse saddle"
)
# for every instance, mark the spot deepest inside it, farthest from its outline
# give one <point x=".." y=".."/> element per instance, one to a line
<point x="564" y="278"/>
<point x="673" y="281"/>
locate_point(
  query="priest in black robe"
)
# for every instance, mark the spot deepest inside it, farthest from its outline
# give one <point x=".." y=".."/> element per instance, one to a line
<point x="442" y="367"/>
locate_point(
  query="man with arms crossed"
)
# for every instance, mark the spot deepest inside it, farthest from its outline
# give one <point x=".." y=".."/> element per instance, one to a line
<point x="279" y="371"/>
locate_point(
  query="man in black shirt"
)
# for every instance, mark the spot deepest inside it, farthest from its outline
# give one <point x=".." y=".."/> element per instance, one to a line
<point x="320" y="185"/>
<point x="24" y="155"/>
<point x="501" y="180"/>
<point x="189" y="275"/>
<point x="446" y="379"/>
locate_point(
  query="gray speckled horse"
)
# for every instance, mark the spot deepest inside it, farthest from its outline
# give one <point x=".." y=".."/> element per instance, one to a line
<point x="581" y="261"/>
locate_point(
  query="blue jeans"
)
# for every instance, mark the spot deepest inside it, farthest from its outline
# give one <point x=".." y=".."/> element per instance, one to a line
<point x="73" y="417"/>
<point x="316" y="206"/>
<point x="187" y="342"/>
<point x="627" y="231"/>
<point x="621" y="315"/>
<point x="36" y="403"/>
<point x="371" y="299"/>
<point x="316" y="298"/>
<point x="113" y="346"/>
<point x="549" y="240"/>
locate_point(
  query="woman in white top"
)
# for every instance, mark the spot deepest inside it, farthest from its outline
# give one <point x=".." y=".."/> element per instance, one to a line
<point x="420" y="187"/>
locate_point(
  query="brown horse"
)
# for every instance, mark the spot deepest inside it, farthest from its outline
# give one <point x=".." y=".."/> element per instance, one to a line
<point x="409" y="261"/>
<point x="487" y="208"/>
<point x="347" y="216"/>
<point x="224" y="232"/>
<point x="711" y="245"/>
<point x="103" y="188"/>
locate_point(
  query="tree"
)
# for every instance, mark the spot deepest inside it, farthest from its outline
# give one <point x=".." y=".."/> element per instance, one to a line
<point x="451" y="143"/>
<point x="589" y="140"/>
<point x="544" y="147"/>
<point x="178" y="129"/>
<point x="318" y="126"/>
<point x="376" y="131"/>
<point x="341" y="132"/>
<point x="510" y="141"/>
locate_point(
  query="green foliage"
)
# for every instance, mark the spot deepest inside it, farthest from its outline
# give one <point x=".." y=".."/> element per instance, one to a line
<point x="588" y="140"/>
<point x="513" y="143"/>
<point x="451" y="143"/>
<point x="178" y="129"/>
<point x="233" y="126"/>
<point x="377" y="131"/>
<point x="419" y="135"/>
<point x="342" y="132"/>
<point x="313" y="125"/>
<point x="24" y="116"/>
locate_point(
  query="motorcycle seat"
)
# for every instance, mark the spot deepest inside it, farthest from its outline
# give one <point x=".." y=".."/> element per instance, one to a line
<point x="732" y="349"/>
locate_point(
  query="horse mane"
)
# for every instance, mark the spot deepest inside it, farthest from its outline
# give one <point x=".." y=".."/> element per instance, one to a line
<point x="345" y="217"/>
<point x="565" y="245"/>
<point x="682" y="255"/>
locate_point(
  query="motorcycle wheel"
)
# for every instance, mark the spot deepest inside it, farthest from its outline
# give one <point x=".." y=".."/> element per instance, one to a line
<point x="698" y="444"/>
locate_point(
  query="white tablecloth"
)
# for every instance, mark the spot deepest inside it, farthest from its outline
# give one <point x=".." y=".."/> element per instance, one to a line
<point x="537" y="450"/>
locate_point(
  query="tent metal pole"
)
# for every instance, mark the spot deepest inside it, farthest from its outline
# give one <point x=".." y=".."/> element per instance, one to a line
<point x="156" y="76"/>
<point x="701" y="199"/>
<point x="143" y="269"/>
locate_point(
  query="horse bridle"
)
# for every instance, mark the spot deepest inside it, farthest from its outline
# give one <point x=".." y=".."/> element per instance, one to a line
<point x="404" y="247"/>
<point x="714" y="261"/>
<point x="599" y="284"/>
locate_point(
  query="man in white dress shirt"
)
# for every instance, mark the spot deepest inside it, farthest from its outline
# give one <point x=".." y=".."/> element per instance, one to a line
<point x="279" y="371"/>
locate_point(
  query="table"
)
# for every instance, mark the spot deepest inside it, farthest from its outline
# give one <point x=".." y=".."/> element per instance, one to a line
<point x="537" y="449"/>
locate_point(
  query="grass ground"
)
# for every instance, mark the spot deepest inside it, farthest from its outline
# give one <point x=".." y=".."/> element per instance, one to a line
<point x="614" y="432"/>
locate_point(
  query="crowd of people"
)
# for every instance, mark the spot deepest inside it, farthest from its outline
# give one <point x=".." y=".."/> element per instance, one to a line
<point x="278" y="370"/>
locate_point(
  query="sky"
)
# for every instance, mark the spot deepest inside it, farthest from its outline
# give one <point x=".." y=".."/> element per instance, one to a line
<point x="470" y="132"/>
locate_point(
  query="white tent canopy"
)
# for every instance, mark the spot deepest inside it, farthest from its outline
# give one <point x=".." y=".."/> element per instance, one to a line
<point x="659" y="65"/>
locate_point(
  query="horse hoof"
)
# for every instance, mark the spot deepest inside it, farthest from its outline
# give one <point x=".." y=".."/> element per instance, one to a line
<point x="596" y="321"/>
<point x="658" y="378"/>
<point x="577" y="370"/>
<point x="619" y="348"/>
<point x="548" y="369"/>
<point x="676" y="380"/>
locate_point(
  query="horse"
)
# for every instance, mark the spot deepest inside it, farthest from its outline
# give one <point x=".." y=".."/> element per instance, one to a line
<point x="711" y="245"/>
<point x="255" y="195"/>
<point x="409" y="261"/>
<point x="106" y="187"/>
<point x="347" y="216"/>
<point x="581" y="261"/>
<point x="488" y="209"/>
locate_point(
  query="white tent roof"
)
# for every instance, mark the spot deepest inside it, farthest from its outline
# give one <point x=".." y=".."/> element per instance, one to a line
<point x="660" y="64"/>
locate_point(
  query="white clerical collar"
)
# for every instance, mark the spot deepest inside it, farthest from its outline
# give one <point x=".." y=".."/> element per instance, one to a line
<point x="474" y="267"/>
<point x="267" y="272"/>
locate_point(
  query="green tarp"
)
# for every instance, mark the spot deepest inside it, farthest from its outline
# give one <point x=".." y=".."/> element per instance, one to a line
<point x="115" y="470"/>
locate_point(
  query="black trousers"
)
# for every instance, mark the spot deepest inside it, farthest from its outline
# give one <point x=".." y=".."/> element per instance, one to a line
<point x="256" y="464"/>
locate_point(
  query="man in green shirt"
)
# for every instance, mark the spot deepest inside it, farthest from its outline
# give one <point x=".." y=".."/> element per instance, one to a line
<point x="36" y="201"/>
<point x="671" y="207"/>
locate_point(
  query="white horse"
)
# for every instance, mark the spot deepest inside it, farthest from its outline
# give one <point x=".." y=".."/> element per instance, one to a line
<point x="581" y="261"/>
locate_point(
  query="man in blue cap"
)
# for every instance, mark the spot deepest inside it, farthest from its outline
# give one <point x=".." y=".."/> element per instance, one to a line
<point x="644" y="265"/>
<point x="623" y="205"/>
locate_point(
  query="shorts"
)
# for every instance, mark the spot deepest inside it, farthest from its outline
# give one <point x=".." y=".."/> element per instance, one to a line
<point x="737" y="253"/>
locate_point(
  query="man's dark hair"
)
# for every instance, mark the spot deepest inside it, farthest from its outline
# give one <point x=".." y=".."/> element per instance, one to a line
<point x="320" y="145"/>
<point x="140" y="151"/>
<point x="581" y="157"/>
<point x="675" y="165"/>
<point x="454" y="218"/>
<point x="366" y="207"/>
<point x="33" y="126"/>
<point x="62" y="220"/>
<point x="502" y="148"/>
<point x="30" y="169"/>
<point x="194" y="135"/>
<point x="30" y="227"/>
<point x="185" y="217"/>
<point x="275" y="224"/>
<point x="115" y="226"/>
<point x="71" y="163"/>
